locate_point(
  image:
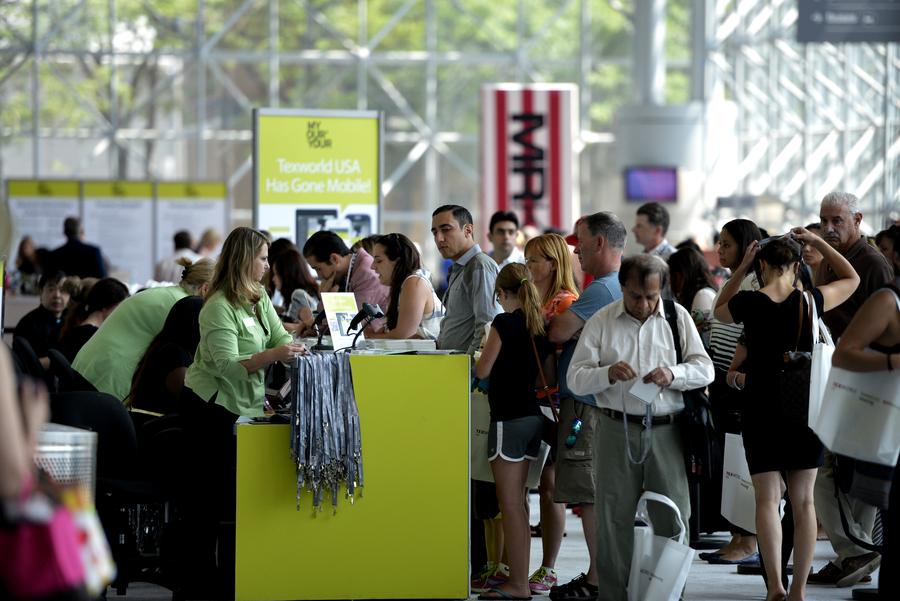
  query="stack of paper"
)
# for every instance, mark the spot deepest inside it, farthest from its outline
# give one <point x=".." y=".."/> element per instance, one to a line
<point x="386" y="344"/>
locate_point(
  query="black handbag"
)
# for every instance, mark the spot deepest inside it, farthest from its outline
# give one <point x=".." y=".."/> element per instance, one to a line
<point x="698" y="432"/>
<point x="793" y="377"/>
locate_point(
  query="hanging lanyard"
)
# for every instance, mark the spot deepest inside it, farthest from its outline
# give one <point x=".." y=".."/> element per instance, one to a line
<point x="349" y="271"/>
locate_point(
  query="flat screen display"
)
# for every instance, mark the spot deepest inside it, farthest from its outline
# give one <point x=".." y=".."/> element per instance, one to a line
<point x="648" y="184"/>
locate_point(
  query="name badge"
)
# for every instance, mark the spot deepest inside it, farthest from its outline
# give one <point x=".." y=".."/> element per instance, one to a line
<point x="249" y="322"/>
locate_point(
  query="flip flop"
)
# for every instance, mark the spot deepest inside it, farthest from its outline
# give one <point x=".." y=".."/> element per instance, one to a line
<point x="502" y="595"/>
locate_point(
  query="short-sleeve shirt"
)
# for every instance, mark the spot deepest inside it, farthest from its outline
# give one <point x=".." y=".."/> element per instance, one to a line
<point x="514" y="373"/>
<point x="770" y="329"/>
<point x="109" y="358"/>
<point x="874" y="272"/>
<point x="75" y="338"/>
<point x="230" y="334"/>
<point x="150" y="391"/>
<point x="601" y="292"/>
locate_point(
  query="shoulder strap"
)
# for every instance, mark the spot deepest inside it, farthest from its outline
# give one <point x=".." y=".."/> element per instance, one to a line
<point x="672" y="319"/>
<point x="540" y="367"/>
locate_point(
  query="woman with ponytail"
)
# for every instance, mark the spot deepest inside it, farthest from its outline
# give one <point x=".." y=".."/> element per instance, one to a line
<point x="510" y="357"/>
<point x="89" y="314"/>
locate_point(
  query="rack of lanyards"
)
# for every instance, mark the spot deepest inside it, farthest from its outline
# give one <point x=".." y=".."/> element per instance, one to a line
<point x="326" y="443"/>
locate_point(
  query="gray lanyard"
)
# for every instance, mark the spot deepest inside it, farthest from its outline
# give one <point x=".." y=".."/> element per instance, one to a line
<point x="325" y="435"/>
<point x="646" y="433"/>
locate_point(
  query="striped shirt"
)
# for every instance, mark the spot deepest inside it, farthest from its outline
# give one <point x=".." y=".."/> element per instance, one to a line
<point x="723" y="337"/>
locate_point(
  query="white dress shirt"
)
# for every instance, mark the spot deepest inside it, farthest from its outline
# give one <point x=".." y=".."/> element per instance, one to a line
<point x="613" y="335"/>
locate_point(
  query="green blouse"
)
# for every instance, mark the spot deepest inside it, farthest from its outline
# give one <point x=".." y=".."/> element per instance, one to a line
<point x="109" y="358"/>
<point x="230" y="334"/>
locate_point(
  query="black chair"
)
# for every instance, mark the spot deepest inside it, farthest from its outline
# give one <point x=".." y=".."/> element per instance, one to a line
<point x="134" y="500"/>
<point x="67" y="379"/>
<point x="29" y="362"/>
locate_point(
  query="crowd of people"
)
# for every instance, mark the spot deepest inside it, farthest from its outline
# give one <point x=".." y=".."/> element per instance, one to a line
<point x="568" y="333"/>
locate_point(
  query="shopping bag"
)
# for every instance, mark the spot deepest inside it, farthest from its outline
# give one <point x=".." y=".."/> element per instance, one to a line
<point x="96" y="557"/>
<point x="860" y="415"/>
<point x="479" y="466"/>
<point x="659" y="565"/>
<point x="480" y="416"/>
<point x="39" y="546"/>
<point x="823" y="349"/>
<point x="738" y="496"/>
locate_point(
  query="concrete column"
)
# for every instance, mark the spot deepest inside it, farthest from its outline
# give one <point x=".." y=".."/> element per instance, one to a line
<point x="650" y="52"/>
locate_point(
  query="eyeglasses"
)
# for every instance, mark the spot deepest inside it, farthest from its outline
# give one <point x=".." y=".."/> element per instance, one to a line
<point x="572" y="438"/>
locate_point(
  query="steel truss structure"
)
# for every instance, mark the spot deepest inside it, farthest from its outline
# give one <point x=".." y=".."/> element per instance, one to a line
<point x="811" y="118"/>
<point x="106" y="88"/>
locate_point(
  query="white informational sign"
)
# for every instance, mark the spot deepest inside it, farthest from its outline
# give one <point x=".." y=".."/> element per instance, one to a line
<point x="340" y="309"/>
<point x="191" y="206"/>
<point x="38" y="208"/>
<point x="118" y="217"/>
<point x="316" y="170"/>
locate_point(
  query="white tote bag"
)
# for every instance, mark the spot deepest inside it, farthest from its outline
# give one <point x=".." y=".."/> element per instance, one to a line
<point x="659" y="565"/>
<point x="860" y="416"/>
<point x="738" y="496"/>
<point x="822" y="350"/>
<point x="480" y="467"/>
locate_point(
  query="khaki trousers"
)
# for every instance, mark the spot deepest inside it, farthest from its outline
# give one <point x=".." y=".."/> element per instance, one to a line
<point x="619" y="486"/>
<point x="860" y="516"/>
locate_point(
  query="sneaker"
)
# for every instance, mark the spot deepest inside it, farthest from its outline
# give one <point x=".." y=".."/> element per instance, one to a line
<point x="492" y="575"/>
<point x="542" y="580"/>
<point x="854" y="569"/>
<point x="579" y="589"/>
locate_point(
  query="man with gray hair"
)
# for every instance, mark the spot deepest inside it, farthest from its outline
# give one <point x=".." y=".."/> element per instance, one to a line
<point x="841" y="217"/>
<point x="599" y="243"/>
<point x="627" y="359"/>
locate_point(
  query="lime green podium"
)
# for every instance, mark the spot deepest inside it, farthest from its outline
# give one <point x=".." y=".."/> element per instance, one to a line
<point x="407" y="537"/>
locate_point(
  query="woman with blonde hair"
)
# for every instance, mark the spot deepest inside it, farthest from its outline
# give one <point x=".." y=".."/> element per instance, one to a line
<point x="549" y="262"/>
<point x="109" y="358"/>
<point x="510" y="357"/>
<point x="240" y="336"/>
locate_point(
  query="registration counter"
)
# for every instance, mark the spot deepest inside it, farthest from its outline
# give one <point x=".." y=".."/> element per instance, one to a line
<point x="406" y="536"/>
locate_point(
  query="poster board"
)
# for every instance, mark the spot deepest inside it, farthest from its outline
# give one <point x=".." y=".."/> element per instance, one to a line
<point x="118" y="217"/>
<point x="528" y="160"/>
<point x="317" y="170"/>
<point x="192" y="206"/>
<point x="340" y="309"/>
<point x="38" y="208"/>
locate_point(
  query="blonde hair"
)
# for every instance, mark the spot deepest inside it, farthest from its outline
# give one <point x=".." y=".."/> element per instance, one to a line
<point x="553" y="247"/>
<point x="195" y="274"/>
<point x="209" y="239"/>
<point x="514" y="279"/>
<point x="233" y="275"/>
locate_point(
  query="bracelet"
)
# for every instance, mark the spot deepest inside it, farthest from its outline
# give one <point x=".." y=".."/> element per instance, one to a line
<point x="890" y="366"/>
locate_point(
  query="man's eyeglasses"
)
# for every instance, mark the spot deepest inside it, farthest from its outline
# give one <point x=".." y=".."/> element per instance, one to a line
<point x="572" y="438"/>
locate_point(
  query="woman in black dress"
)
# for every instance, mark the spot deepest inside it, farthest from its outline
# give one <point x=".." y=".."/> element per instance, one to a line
<point x="777" y="439"/>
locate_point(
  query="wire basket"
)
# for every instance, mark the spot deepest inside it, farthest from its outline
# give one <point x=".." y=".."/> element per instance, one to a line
<point x="68" y="455"/>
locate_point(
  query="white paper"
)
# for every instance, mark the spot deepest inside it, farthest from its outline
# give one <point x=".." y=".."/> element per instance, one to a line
<point x="646" y="393"/>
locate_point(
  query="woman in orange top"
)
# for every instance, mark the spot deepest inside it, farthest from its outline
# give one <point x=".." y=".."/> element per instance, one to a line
<point x="549" y="261"/>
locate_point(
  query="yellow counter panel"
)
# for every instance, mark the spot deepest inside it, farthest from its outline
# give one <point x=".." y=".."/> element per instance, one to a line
<point x="407" y="537"/>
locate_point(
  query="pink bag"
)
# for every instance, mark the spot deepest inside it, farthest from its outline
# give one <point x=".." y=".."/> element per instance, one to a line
<point x="40" y="551"/>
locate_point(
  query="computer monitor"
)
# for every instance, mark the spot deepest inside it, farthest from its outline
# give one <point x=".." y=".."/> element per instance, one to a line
<point x="651" y="184"/>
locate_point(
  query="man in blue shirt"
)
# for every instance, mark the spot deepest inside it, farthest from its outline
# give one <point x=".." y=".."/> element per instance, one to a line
<point x="600" y="244"/>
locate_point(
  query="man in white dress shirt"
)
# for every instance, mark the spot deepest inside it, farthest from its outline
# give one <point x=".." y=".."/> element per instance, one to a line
<point x="626" y="342"/>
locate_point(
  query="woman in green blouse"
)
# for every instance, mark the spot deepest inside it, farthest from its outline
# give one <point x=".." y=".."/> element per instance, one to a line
<point x="240" y="335"/>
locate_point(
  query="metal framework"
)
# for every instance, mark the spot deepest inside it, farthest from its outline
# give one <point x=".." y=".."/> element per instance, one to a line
<point x="811" y="118"/>
<point x="104" y="88"/>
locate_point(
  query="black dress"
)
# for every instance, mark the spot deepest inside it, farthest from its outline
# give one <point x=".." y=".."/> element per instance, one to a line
<point x="775" y="438"/>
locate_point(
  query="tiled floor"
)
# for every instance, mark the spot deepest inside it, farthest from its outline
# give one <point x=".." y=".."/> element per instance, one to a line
<point x="705" y="583"/>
